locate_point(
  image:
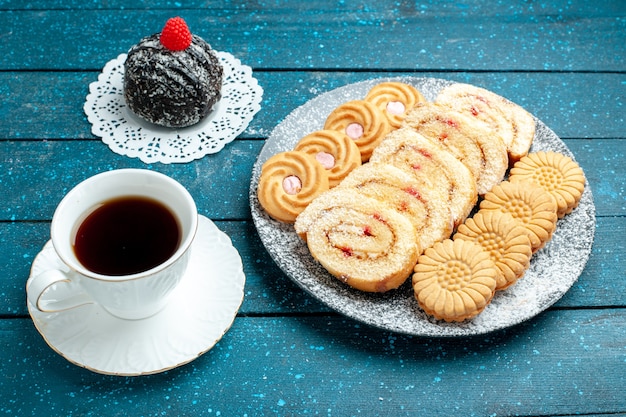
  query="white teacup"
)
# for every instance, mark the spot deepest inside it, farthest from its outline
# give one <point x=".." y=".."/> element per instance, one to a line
<point x="134" y="295"/>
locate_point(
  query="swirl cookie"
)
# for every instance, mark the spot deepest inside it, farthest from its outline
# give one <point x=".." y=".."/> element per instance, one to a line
<point x="427" y="161"/>
<point x="505" y="241"/>
<point x="394" y="99"/>
<point x="554" y="172"/>
<point x="474" y="144"/>
<point x="514" y="124"/>
<point x="334" y="150"/>
<point x="362" y="122"/>
<point x="425" y="206"/>
<point x="289" y="181"/>
<point x="530" y="205"/>
<point x="359" y="240"/>
<point x="454" y="280"/>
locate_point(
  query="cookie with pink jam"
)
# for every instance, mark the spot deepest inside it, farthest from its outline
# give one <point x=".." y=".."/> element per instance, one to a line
<point x="289" y="181"/>
<point x="334" y="150"/>
<point x="395" y="99"/>
<point x="361" y="121"/>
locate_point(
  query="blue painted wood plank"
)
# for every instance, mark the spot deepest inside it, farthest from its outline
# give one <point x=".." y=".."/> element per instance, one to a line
<point x="269" y="291"/>
<point x="38" y="174"/>
<point x="573" y="105"/>
<point x="401" y="36"/>
<point x="286" y="353"/>
<point x="467" y="8"/>
<point x="560" y="363"/>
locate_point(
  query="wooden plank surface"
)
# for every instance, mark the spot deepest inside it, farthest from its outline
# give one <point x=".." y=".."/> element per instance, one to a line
<point x="269" y="291"/>
<point x="39" y="174"/>
<point x="49" y="105"/>
<point x="373" y="36"/>
<point x="292" y="366"/>
<point x="288" y="354"/>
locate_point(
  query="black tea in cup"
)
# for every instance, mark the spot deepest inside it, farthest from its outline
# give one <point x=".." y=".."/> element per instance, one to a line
<point x="127" y="235"/>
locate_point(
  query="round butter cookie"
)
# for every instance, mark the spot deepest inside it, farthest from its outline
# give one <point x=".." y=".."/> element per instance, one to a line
<point x="554" y="172"/>
<point x="427" y="161"/>
<point x="474" y="144"/>
<point x="334" y="150"/>
<point x="510" y="121"/>
<point x="530" y="205"/>
<point x="394" y="99"/>
<point x="454" y="280"/>
<point x="362" y="122"/>
<point x="359" y="240"/>
<point x="289" y="181"/>
<point x="424" y="205"/>
<point x="505" y="241"/>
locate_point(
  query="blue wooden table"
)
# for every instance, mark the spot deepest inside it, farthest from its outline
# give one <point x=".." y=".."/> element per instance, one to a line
<point x="286" y="353"/>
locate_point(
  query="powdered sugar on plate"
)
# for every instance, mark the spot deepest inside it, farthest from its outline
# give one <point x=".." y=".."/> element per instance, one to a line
<point x="553" y="270"/>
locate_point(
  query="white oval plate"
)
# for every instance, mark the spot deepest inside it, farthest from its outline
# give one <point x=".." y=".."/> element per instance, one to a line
<point x="552" y="272"/>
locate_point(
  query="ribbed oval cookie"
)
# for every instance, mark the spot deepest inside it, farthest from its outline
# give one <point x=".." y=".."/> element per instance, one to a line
<point x="514" y="124"/>
<point x="425" y="206"/>
<point x="361" y="121"/>
<point x="427" y="161"/>
<point x="454" y="280"/>
<point x="530" y="205"/>
<point x="334" y="150"/>
<point x="505" y="241"/>
<point x="474" y="144"/>
<point x="359" y="240"/>
<point x="554" y="172"/>
<point x="394" y="99"/>
<point x="289" y="181"/>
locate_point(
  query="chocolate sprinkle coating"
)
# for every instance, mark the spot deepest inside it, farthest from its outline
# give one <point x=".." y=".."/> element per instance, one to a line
<point x="172" y="88"/>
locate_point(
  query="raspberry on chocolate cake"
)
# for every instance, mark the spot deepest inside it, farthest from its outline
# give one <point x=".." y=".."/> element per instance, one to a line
<point x="172" y="78"/>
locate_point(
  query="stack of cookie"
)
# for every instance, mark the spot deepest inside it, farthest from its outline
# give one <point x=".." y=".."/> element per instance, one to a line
<point x="455" y="279"/>
<point x="407" y="174"/>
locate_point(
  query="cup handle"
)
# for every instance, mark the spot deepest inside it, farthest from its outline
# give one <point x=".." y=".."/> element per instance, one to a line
<point x="41" y="283"/>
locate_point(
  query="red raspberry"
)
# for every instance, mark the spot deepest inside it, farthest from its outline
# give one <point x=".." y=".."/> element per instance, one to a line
<point x="175" y="36"/>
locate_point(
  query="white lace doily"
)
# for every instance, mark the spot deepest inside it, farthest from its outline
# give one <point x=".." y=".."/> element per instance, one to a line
<point x="127" y="134"/>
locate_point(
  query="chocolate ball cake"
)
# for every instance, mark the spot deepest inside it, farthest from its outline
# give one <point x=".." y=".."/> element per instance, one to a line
<point x="172" y="78"/>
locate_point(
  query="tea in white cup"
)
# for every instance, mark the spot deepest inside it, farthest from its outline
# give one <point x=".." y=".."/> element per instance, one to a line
<point x="124" y="237"/>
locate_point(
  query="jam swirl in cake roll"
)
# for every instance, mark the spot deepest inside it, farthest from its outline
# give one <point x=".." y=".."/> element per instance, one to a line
<point x="508" y="120"/>
<point x="425" y="206"/>
<point x="470" y="141"/>
<point x="359" y="240"/>
<point x="412" y="152"/>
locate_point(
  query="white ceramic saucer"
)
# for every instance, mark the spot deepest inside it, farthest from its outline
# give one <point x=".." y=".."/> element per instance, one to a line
<point x="200" y="311"/>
